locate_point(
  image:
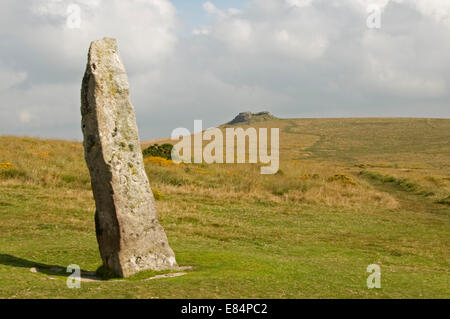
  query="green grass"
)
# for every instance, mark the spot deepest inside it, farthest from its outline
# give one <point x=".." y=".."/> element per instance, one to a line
<point x="279" y="252"/>
<point x="304" y="233"/>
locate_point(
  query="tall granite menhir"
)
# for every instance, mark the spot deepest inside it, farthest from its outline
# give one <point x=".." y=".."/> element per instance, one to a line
<point x="129" y="235"/>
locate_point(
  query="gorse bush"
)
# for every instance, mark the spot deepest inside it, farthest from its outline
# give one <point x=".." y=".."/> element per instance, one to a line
<point x="344" y="179"/>
<point x="157" y="194"/>
<point x="157" y="150"/>
<point x="6" y="165"/>
<point x="158" y="160"/>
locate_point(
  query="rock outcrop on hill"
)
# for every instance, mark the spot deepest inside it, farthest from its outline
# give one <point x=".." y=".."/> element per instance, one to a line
<point x="248" y="118"/>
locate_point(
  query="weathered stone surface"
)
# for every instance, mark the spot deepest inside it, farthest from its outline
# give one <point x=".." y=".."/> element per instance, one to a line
<point x="129" y="235"/>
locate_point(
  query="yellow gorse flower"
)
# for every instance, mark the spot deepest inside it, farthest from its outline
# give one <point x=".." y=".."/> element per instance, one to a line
<point x="6" y="165"/>
<point x="157" y="194"/>
<point x="43" y="154"/>
<point x="341" y="178"/>
<point x="158" y="160"/>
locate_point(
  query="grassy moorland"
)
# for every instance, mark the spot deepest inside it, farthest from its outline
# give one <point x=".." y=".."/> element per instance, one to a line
<point x="350" y="192"/>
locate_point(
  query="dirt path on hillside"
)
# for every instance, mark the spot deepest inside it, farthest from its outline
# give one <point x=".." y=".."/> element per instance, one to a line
<point x="410" y="201"/>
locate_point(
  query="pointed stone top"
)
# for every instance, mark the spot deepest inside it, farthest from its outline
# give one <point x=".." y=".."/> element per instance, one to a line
<point x="103" y="47"/>
<point x="106" y="66"/>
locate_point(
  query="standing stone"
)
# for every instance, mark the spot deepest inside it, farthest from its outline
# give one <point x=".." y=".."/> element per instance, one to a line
<point x="129" y="235"/>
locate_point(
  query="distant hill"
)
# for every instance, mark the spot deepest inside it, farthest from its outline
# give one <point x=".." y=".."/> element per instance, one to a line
<point x="356" y="140"/>
<point x="353" y="190"/>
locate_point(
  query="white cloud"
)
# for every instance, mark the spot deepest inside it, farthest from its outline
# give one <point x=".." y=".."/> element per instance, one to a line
<point x="297" y="34"/>
<point x="48" y="58"/>
<point x="296" y="57"/>
<point x="439" y="10"/>
<point x="9" y="79"/>
<point x="202" y="30"/>
<point x="25" y="116"/>
<point x="299" y="3"/>
<point x="321" y="31"/>
<point x="294" y="46"/>
<point x="234" y="11"/>
<point x="213" y="10"/>
<point x="392" y="79"/>
<point x="144" y="28"/>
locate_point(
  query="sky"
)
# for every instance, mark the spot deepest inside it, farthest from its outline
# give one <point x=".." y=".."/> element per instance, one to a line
<point x="192" y="14"/>
<point x="210" y="60"/>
